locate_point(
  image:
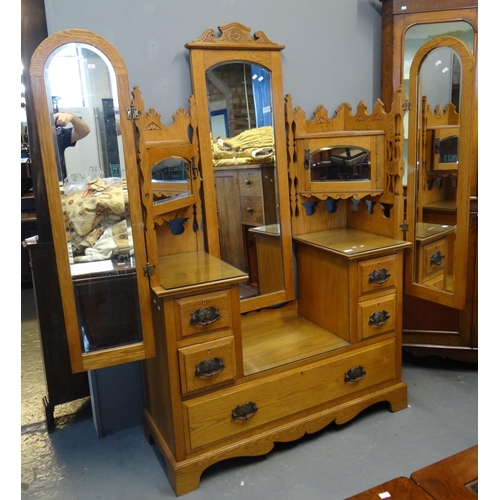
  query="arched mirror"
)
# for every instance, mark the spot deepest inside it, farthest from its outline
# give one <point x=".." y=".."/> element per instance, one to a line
<point x="81" y="97"/>
<point x="440" y="154"/>
<point x="415" y="36"/>
<point x="237" y="85"/>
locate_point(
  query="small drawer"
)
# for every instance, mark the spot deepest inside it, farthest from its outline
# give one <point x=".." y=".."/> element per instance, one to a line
<point x="377" y="274"/>
<point x="377" y="316"/>
<point x="436" y="281"/>
<point x="434" y="257"/>
<point x="240" y="409"/>
<point x="203" y="313"/>
<point x="207" y="365"/>
<point x="251" y="210"/>
<point x="250" y="183"/>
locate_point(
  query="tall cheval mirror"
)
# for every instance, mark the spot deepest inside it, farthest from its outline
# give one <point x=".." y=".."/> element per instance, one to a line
<point x="439" y="161"/>
<point x="237" y="84"/>
<point x="93" y="198"/>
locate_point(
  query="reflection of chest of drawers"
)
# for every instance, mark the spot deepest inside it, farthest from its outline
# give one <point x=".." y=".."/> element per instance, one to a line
<point x="246" y="197"/>
<point x="252" y="192"/>
<point x="433" y="254"/>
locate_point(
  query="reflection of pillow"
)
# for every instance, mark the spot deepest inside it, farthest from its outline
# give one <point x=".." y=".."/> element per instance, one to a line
<point x="263" y="153"/>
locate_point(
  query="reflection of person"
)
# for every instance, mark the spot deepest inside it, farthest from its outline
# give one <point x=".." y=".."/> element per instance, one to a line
<point x="68" y="137"/>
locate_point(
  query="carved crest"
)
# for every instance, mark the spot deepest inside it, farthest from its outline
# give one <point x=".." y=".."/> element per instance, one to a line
<point x="234" y="35"/>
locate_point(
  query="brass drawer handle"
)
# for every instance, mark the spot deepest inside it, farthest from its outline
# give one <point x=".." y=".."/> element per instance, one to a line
<point x="244" y="411"/>
<point x="437" y="258"/>
<point x="355" y="374"/>
<point x="205" y="316"/>
<point x="379" y="276"/>
<point x="379" y="318"/>
<point x="249" y="210"/>
<point x="209" y="367"/>
<point x="248" y="182"/>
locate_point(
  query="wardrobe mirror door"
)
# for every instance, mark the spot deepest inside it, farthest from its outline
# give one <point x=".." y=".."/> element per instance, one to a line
<point x="238" y="90"/>
<point x="91" y="210"/>
<point x="439" y="164"/>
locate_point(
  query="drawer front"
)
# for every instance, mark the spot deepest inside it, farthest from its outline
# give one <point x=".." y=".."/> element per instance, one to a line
<point x="377" y="316"/>
<point x="251" y="210"/>
<point x="433" y="257"/>
<point x="209" y="418"/>
<point x="206" y="365"/>
<point x="377" y="274"/>
<point x="250" y="183"/>
<point x="204" y="313"/>
<point x="435" y="281"/>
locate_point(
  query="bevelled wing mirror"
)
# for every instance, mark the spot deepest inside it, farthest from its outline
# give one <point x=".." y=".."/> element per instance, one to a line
<point x="81" y="96"/>
<point x="441" y="144"/>
<point x="237" y="84"/>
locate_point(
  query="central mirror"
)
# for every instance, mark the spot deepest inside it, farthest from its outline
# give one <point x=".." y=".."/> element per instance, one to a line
<point x="238" y="90"/>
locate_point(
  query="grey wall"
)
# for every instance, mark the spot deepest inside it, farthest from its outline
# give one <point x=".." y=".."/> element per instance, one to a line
<point x="332" y="54"/>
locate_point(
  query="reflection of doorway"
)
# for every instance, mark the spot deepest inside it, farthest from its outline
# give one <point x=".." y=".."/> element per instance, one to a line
<point x="218" y="122"/>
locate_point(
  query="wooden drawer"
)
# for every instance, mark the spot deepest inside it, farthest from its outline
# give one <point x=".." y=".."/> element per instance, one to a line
<point x="432" y="257"/>
<point x="251" y="210"/>
<point x="436" y="281"/>
<point x="250" y="183"/>
<point x="209" y="418"/>
<point x="377" y="316"/>
<point x="377" y="274"/>
<point x="203" y="313"/>
<point x="206" y="365"/>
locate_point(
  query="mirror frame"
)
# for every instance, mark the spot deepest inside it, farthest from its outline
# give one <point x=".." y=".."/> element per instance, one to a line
<point x="81" y="361"/>
<point x="236" y="44"/>
<point x="467" y="154"/>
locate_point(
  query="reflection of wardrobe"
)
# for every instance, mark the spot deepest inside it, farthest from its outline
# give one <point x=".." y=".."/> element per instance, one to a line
<point x="429" y="327"/>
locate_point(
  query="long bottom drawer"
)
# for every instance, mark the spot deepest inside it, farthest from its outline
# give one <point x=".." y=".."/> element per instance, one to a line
<point x="224" y="414"/>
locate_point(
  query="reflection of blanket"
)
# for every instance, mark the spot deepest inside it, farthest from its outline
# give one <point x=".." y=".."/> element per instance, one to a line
<point x="114" y="240"/>
<point x="93" y="216"/>
<point x="84" y="210"/>
<point x="251" y="146"/>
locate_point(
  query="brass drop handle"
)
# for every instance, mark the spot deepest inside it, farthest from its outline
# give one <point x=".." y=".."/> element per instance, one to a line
<point x="355" y="374"/>
<point x="437" y="258"/>
<point x="209" y="367"/>
<point x="249" y="210"/>
<point x="204" y="316"/>
<point x="379" y="318"/>
<point x="248" y="182"/>
<point x="244" y="411"/>
<point x="379" y="276"/>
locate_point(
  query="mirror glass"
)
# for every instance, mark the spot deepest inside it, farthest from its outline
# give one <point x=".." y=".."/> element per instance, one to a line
<point x="83" y="105"/>
<point x="340" y="163"/>
<point x="414" y="38"/>
<point x="169" y="179"/>
<point x="240" y="108"/>
<point x="437" y="168"/>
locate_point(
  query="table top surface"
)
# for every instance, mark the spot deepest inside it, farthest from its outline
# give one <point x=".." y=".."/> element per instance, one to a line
<point x="453" y="478"/>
